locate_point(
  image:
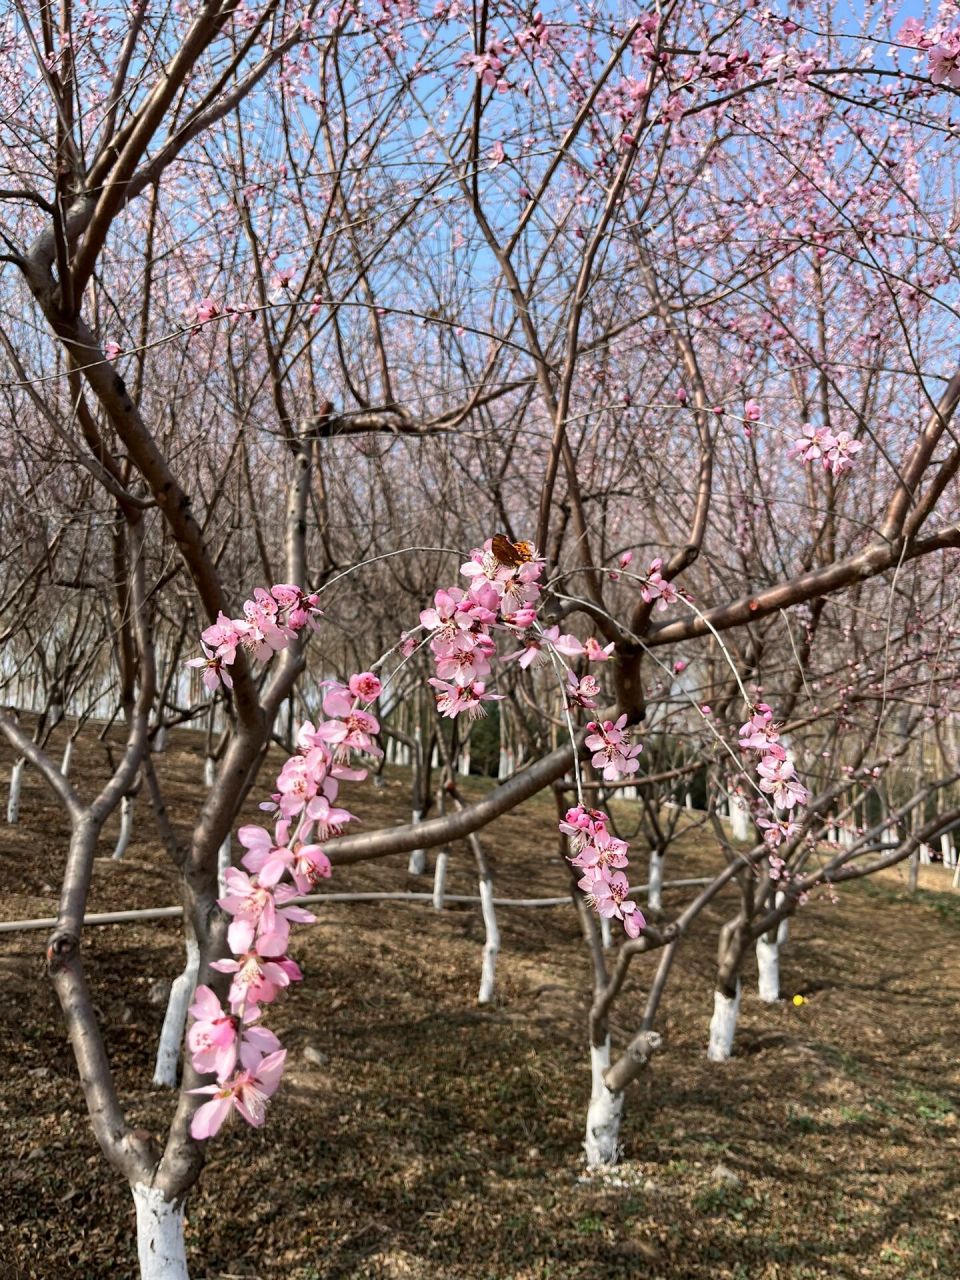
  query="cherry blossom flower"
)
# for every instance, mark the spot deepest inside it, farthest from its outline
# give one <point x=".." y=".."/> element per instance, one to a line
<point x="657" y="588"/>
<point x="944" y="60"/>
<point x="610" y="743"/>
<point x="582" y="692"/>
<point x="247" y="1092"/>
<point x="365" y="686"/>
<point x="258" y="977"/>
<point x="778" y="778"/>
<point x="214" y="670"/>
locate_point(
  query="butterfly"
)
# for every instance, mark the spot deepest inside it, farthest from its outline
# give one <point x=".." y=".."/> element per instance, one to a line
<point x="511" y="554"/>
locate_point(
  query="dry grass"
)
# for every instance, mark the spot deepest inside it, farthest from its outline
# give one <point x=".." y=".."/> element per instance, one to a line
<point x="418" y="1136"/>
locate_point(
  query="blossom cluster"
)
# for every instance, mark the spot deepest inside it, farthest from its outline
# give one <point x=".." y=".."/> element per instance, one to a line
<point x="502" y="594"/>
<point x="246" y="1058"/>
<point x="270" y="621"/>
<point x="836" y="452"/>
<point x="601" y="857"/>
<point x="778" y="775"/>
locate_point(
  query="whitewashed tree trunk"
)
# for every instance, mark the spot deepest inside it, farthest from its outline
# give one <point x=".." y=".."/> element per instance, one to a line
<point x="418" y="857"/>
<point x="440" y="879"/>
<point x="687" y="800"/>
<point x="160" y="1242"/>
<point x="13" y="801"/>
<point x="768" y="967"/>
<point x="464" y="765"/>
<point x="160" y="739"/>
<point x="783" y="928"/>
<point x="606" y="933"/>
<point x="946" y="849"/>
<point x="174" y="1021"/>
<point x="723" y="1024"/>
<point x="740" y="823"/>
<point x="605" y="1113"/>
<point x="655" y="876"/>
<point x="67" y="757"/>
<point x="126" y="828"/>
<point x="223" y="862"/>
<point x="209" y="772"/>
<point x="491" y="946"/>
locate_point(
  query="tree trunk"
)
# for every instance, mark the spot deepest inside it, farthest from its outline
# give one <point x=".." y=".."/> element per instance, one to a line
<point x="126" y="828"/>
<point x="13" y="803"/>
<point x="174" y="1021"/>
<point x="160" y="1243"/>
<point x="723" y="1024"/>
<point x="491" y="945"/>
<point x="605" y="1113"/>
<point x="440" y="878"/>
<point x="768" y="967"/>
<point x="655" y="887"/>
<point x="418" y="857"/>
<point x="67" y="757"/>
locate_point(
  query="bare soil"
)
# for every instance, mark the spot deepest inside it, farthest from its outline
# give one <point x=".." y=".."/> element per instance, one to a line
<point x="417" y="1136"/>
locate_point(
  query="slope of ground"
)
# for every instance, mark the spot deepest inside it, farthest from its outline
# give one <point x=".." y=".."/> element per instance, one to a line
<point x="417" y="1136"/>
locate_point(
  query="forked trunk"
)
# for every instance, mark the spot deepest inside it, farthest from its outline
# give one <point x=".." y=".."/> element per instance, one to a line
<point x="160" y="1242"/>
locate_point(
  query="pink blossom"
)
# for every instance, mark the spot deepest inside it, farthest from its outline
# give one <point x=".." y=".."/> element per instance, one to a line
<point x="453" y="699"/>
<point x="609" y="898"/>
<point x="247" y="1091"/>
<point x="212" y="1039"/>
<point x="944" y="61"/>
<point x="778" y="778"/>
<point x="594" y="652"/>
<point x="365" y="686"/>
<point x="751" y="411"/>
<point x="610" y="743"/>
<point x="258" y="977"/>
<point x="657" y="588"/>
<point x="207" y="309"/>
<point x="582" y="692"/>
<point x="111" y="350"/>
<point x="214" y="670"/>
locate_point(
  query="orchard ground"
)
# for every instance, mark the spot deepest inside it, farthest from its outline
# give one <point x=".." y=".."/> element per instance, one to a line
<point x="418" y="1136"/>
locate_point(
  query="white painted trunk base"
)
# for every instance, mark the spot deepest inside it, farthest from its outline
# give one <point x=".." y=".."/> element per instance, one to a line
<point x="491" y="946"/>
<point x="175" y="1019"/>
<point x="440" y="879"/>
<point x="768" y="970"/>
<point x="418" y="857"/>
<point x="160" y="1244"/>
<point x="604" y="1115"/>
<point x="126" y="828"/>
<point x="223" y="862"/>
<point x="160" y="739"/>
<point x="606" y="933"/>
<point x="209" y="772"/>
<point x="723" y="1024"/>
<point x="655" y="885"/>
<point x="740" y="822"/>
<point x="783" y="929"/>
<point x="13" y="801"/>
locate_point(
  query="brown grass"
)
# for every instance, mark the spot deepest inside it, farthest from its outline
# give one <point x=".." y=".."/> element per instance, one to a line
<point x="425" y="1138"/>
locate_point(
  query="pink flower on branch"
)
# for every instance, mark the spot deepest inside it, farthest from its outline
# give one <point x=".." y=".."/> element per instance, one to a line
<point x="247" y="1092"/>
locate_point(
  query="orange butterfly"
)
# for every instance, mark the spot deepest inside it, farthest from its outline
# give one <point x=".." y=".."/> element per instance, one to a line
<point x="511" y="554"/>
